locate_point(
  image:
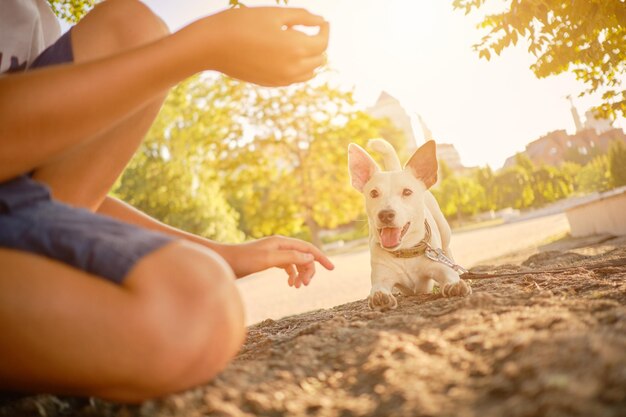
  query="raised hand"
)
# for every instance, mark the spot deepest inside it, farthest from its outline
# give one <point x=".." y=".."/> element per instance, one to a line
<point x="260" y="44"/>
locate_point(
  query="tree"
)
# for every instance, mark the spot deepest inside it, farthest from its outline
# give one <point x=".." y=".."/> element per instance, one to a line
<point x="524" y="162"/>
<point x="570" y="170"/>
<point x="290" y="174"/>
<point x="485" y="178"/>
<point x="594" y="176"/>
<point x="174" y="176"/>
<point x="225" y="156"/>
<point x="617" y="163"/>
<point x="574" y="154"/>
<point x="459" y="196"/>
<point x="511" y="188"/>
<point x="549" y="185"/>
<point x="444" y="170"/>
<point x="585" y="37"/>
<point x="74" y="10"/>
<point x="71" y="10"/>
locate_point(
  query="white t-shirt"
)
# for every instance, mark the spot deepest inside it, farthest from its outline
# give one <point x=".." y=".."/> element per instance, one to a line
<point x="27" y="27"/>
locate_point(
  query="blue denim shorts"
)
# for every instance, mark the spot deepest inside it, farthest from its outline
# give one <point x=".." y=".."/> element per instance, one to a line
<point x="31" y="221"/>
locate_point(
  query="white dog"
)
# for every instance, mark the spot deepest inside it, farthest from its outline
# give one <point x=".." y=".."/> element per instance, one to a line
<point x="405" y="224"/>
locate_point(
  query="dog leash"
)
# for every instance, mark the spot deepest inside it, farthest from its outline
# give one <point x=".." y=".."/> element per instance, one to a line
<point x="600" y="265"/>
<point x="437" y="255"/>
<point x="424" y="248"/>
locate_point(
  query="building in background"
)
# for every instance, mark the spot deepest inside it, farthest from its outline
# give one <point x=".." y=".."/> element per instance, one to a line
<point x="446" y="152"/>
<point x="599" y="125"/>
<point x="592" y="137"/>
<point x="591" y="122"/>
<point x="389" y="107"/>
<point x="577" y="122"/>
<point x="558" y="146"/>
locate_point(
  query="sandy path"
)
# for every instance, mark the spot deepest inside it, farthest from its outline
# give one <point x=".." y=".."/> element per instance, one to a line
<point x="546" y="344"/>
<point x="266" y="295"/>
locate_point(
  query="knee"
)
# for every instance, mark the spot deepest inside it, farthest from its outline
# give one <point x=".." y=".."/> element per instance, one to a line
<point x="128" y="22"/>
<point x="193" y="325"/>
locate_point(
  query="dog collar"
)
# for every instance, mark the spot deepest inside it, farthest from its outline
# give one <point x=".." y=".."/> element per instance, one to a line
<point x="416" y="250"/>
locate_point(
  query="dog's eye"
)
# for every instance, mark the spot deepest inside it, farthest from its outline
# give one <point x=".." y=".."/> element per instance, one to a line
<point x="406" y="192"/>
<point x="374" y="193"/>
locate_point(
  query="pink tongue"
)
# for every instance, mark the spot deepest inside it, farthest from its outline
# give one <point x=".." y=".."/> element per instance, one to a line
<point x="390" y="236"/>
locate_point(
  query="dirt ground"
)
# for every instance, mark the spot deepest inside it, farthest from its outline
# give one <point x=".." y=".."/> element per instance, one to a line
<point x="545" y="344"/>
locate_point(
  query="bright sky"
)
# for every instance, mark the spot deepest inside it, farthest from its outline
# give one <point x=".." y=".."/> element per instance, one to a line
<point x="420" y="52"/>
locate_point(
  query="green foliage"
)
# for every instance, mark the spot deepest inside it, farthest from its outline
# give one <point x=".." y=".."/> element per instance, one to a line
<point x="71" y="10"/>
<point x="574" y="155"/>
<point x="570" y="170"/>
<point x="485" y="178"/>
<point x="290" y="174"/>
<point x="617" y="163"/>
<point x="524" y="162"/>
<point x="549" y="184"/>
<point x="74" y="10"/>
<point x="459" y="196"/>
<point x="512" y="188"/>
<point x="226" y="158"/>
<point x="526" y="186"/>
<point x="444" y="170"/>
<point x="585" y="37"/>
<point x="174" y="175"/>
<point x="594" y="176"/>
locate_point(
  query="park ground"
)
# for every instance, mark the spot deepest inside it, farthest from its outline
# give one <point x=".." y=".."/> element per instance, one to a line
<point x="536" y="344"/>
<point x="266" y="295"/>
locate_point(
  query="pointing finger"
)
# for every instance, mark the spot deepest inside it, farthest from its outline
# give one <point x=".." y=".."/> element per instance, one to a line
<point x="301" y="246"/>
<point x="290" y="256"/>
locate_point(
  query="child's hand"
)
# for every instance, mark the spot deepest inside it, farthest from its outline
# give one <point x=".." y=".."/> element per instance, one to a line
<point x="259" y="44"/>
<point x="296" y="257"/>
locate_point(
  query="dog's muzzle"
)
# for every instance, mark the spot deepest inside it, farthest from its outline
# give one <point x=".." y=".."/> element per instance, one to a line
<point x="391" y="237"/>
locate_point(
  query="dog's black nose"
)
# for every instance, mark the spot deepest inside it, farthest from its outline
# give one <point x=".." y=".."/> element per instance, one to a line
<point x="386" y="216"/>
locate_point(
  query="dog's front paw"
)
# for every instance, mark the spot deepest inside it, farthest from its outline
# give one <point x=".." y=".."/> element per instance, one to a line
<point x="456" y="289"/>
<point x="382" y="301"/>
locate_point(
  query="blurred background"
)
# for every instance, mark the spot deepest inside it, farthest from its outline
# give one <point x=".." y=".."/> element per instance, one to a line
<point x="524" y="98"/>
<point x="230" y="161"/>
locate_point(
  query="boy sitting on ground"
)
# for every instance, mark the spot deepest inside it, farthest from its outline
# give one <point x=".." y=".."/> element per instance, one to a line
<point x="97" y="298"/>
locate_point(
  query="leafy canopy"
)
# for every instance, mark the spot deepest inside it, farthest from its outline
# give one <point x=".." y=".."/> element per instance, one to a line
<point x="289" y="172"/>
<point x="71" y="10"/>
<point x="74" y="10"/>
<point x="174" y="176"/>
<point x="617" y="163"/>
<point x="585" y="37"/>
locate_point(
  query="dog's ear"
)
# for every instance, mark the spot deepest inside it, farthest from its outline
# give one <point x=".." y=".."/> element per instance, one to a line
<point x="361" y="165"/>
<point x="423" y="163"/>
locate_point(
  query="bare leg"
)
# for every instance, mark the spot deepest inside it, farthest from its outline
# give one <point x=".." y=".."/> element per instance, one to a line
<point x="83" y="175"/>
<point x="175" y="323"/>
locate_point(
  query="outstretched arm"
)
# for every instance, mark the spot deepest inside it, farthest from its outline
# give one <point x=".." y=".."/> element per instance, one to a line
<point x="296" y="257"/>
<point x="43" y="112"/>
